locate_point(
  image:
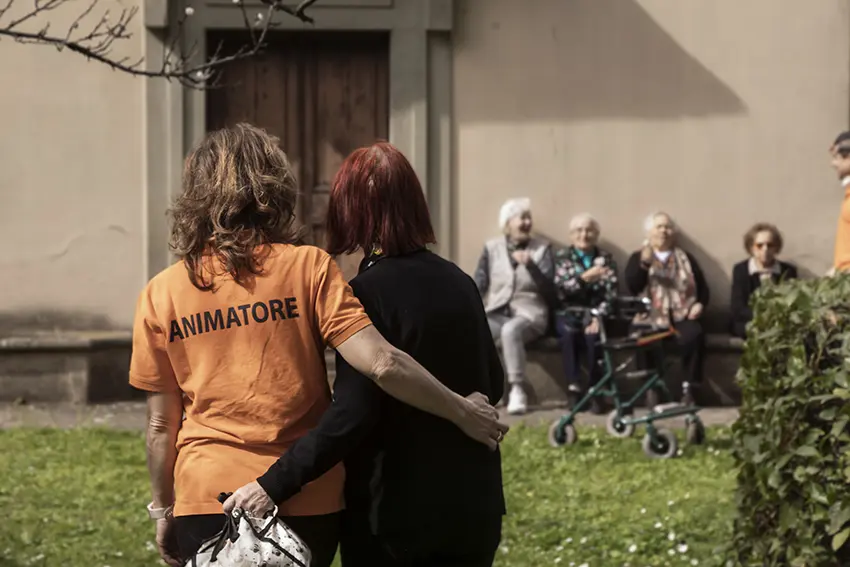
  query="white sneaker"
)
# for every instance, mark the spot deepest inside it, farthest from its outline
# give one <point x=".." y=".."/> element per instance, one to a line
<point x="517" y="400"/>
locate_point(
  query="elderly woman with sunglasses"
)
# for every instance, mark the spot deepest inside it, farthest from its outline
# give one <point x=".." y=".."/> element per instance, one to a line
<point x="585" y="276"/>
<point x="763" y="242"/>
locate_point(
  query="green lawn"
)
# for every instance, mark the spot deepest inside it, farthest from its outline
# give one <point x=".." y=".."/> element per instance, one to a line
<point x="76" y="499"/>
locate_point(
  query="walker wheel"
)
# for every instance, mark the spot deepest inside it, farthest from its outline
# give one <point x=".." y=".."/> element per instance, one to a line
<point x="616" y="427"/>
<point x="560" y="435"/>
<point x="662" y="445"/>
<point x="696" y="432"/>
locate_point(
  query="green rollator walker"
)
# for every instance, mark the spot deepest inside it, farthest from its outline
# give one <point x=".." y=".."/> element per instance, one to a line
<point x="658" y="442"/>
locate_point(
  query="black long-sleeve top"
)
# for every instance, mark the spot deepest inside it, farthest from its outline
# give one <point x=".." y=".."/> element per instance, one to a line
<point x="637" y="276"/>
<point x="744" y="284"/>
<point x="408" y="473"/>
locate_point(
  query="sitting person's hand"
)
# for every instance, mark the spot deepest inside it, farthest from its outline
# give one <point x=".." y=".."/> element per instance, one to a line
<point x="595" y="273"/>
<point x="646" y="254"/>
<point x="695" y="311"/>
<point x="592" y="328"/>
<point x="521" y="256"/>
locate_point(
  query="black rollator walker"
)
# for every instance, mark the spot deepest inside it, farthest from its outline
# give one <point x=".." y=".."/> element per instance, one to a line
<point x="658" y="442"/>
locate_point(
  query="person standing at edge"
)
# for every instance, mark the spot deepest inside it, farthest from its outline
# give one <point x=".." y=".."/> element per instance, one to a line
<point x="840" y="152"/>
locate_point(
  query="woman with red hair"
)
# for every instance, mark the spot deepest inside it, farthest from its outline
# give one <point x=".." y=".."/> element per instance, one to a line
<point x="418" y="492"/>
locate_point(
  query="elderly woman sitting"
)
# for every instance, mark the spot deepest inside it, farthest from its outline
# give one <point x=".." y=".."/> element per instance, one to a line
<point x="512" y="274"/>
<point x="585" y="276"/>
<point x="674" y="282"/>
<point x="763" y="243"/>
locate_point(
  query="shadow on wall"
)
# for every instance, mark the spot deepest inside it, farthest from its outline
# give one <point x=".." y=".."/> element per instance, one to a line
<point x="804" y="273"/>
<point x="556" y="244"/>
<point x="579" y="59"/>
<point x="621" y="257"/>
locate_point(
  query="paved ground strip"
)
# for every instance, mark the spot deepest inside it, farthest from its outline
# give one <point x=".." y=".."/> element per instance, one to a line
<point x="131" y="416"/>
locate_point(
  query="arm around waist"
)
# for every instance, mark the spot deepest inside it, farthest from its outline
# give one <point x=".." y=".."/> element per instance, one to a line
<point x="400" y="376"/>
<point x="353" y="414"/>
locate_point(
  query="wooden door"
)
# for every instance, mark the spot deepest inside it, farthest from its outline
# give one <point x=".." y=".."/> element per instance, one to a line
<point x="322" y="94"/>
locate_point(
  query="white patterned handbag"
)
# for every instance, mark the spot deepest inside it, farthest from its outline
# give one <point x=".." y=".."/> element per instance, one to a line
<point x="246" y="540"/>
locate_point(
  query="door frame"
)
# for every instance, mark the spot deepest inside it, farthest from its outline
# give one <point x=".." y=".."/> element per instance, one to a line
<point x="420" y="117"/>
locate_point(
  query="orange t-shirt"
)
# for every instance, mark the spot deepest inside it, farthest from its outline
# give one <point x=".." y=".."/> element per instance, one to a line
<point x="842" y="236"/>
<point x="251" y="367"/>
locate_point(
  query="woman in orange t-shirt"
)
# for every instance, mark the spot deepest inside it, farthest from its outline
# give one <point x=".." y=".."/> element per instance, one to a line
<point x="233" y="338"/>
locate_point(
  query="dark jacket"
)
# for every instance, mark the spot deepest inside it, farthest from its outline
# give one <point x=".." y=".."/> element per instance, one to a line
<point x="744" y="284"/>
<point x="572" y="291"/>
<point x="414" y="478"/>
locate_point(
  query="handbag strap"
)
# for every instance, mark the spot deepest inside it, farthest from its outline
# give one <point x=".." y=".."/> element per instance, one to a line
<point x="230" y="532"/>
<point x="270" y="523"/>
<point x="263" y="536"/>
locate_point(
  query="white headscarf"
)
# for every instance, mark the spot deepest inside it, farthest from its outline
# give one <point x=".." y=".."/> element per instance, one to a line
<point x="513" y="208"/>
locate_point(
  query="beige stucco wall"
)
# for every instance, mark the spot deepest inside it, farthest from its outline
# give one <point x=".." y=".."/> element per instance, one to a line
<point x="71" y="180"/>
<point x="719" y="112"/>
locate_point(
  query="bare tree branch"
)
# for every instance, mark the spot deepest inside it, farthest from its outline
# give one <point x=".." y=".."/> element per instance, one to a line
<point x="298" y="11"/>
<point x="96" y="41"/>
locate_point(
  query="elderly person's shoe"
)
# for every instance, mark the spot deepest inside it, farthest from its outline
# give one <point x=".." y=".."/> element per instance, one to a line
<point x="517" y="400"/>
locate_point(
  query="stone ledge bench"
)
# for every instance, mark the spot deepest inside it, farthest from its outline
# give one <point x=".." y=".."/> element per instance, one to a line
<point x="66" y="366"/>
<point x="723" y="352"/>
<point x="92" y="367"/>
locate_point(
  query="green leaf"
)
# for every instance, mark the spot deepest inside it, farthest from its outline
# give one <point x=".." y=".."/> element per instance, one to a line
<point x="787" y="514"/>
<point x="839" y="539"/>
<point x="828" y="414"/>
<point x="842" y="393"/>
<point x="775" y="479"/>
<point x="818" y="493"/>
<point x="838" y="516"/>
<point x="839" y="426"/>
<point x="783" y="460"/>
<point x="807" y="451"/>
<point x="752" y="443"/>
<point x="812" y="436"/>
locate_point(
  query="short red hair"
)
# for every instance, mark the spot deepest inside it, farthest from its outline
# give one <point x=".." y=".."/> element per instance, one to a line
<point x="376" y="199"/>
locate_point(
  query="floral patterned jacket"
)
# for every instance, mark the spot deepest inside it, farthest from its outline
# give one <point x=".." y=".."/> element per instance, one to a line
<point x="570" y="263"/>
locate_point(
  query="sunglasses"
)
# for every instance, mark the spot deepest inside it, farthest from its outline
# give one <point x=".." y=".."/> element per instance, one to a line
<point x="762" y="245"/>
<point x="843" y="151"/>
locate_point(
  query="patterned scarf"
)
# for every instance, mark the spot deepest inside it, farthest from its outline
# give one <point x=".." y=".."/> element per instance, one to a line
<point x="671" y="288"/>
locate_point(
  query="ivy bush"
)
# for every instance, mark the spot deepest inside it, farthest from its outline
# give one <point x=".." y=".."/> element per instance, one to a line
<point x="792" y="441"/>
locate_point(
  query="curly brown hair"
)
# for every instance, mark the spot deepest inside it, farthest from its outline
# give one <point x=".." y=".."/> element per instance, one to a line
<point x="750" y="236"/>
<point x="239" y="196"/>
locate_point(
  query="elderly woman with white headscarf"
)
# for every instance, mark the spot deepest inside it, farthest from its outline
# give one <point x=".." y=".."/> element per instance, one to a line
<point x="674" y="282"/>
<point x="585" y="276"/>
<point x="512" y="275"/>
